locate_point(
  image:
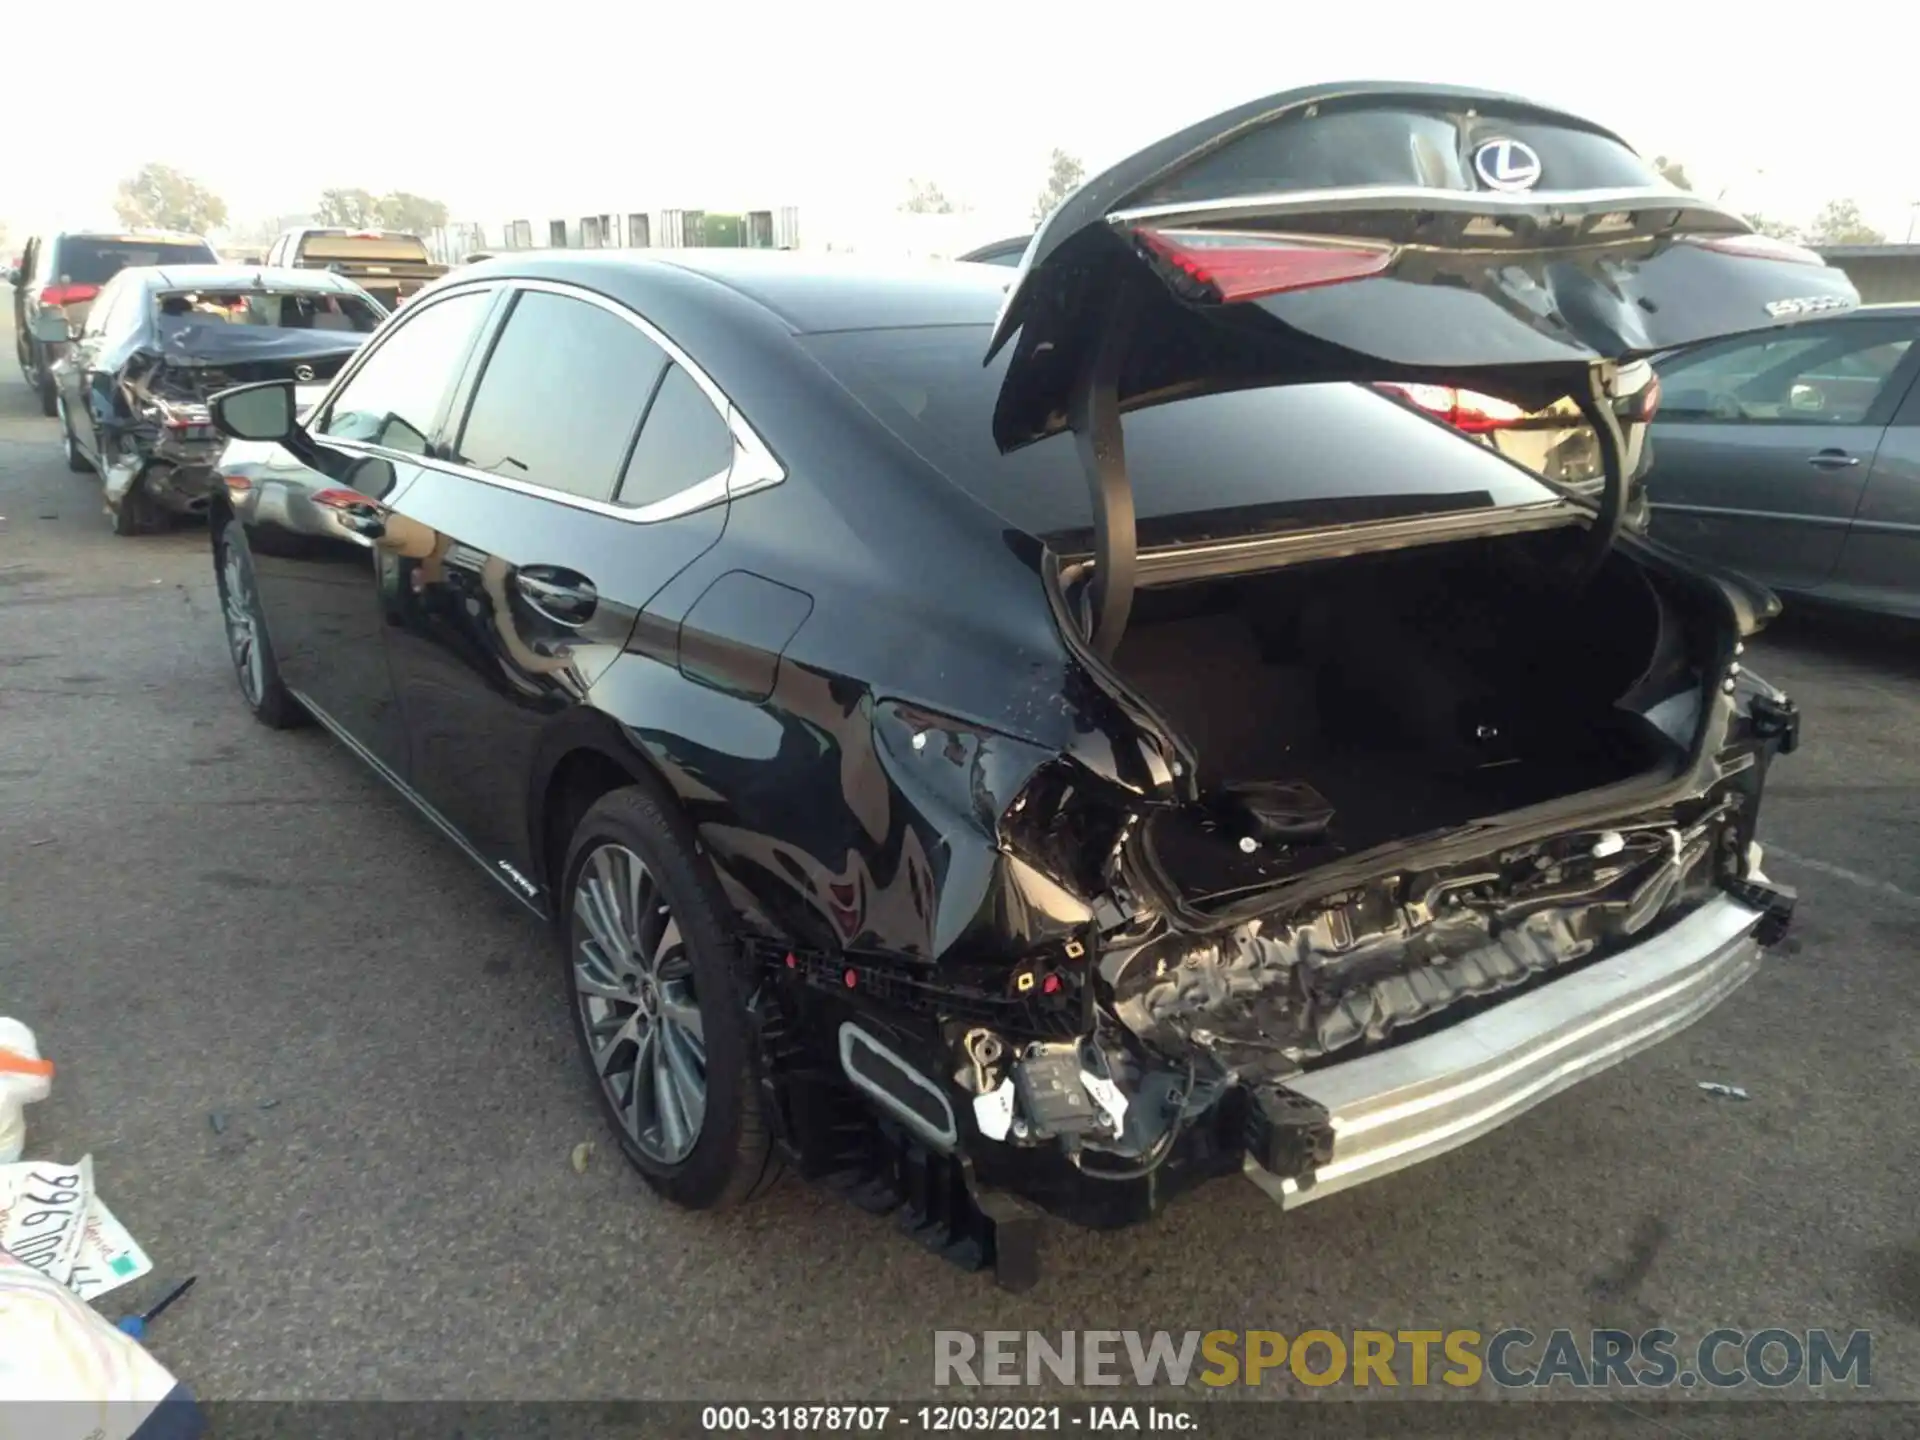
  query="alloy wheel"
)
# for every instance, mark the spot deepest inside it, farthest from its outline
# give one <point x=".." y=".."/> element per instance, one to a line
<point x="243" y="629"/>
<point x="634" y="987"/>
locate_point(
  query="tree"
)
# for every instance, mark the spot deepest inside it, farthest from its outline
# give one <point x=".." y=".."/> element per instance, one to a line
<point x="926" y="198"/>
<point x="415" y="214"/>
<point x="1778" y="229"/>
<point x="353" y="209"/>
<point x="1064" y="174"/>
<point x="161" y="197"/>
<point x="1673" y="172"/>
<point x="1840" y="223"/>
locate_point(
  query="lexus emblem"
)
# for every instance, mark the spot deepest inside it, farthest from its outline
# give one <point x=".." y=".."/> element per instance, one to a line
<point x="1504" y="164"/>
<point x="303" y="372"/>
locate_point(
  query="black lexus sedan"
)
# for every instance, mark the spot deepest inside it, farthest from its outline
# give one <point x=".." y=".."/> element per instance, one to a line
<point x="1031" y="748"/>
<point x="131" y="390"/>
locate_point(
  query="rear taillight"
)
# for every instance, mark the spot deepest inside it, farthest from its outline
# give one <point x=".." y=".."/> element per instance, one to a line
<point x="1641" y="406"/>
<point x="1465" y="410"/>
<point x="1228" y="266"/>
<point x="68" y="294"/>
<point x="1758" y="247"/>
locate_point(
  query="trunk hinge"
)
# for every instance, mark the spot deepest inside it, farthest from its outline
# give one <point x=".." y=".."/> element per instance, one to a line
<point x="1093" y="411"/>
<point x="1597" y="408"/>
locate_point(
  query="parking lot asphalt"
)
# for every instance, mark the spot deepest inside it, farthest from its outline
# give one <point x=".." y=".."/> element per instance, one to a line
<point x="204" y="919"/>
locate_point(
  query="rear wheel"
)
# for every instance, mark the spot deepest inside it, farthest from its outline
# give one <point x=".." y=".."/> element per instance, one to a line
<point x="253" y="663"/>
<point x="43" y="382"/>
<point x="76" y="462"/>
<point x="136" y="514"/>
<point x="657" y="1009"/>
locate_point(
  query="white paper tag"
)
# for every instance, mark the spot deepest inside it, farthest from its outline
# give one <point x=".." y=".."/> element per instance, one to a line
<point x="1107" y="1096"/>
<point x="993" y="1111"/>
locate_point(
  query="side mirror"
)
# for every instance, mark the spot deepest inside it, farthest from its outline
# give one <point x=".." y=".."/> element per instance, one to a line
<point x="255" y="412"/>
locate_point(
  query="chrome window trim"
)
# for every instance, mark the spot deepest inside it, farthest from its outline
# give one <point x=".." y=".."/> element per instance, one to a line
<point x="754" y="466"/>
<point x="1415" y="197"/>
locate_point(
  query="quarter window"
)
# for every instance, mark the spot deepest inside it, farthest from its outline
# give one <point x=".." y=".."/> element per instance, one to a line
<point x="683" y="441"/>
<point x="395" y="397"/>
<point x="560" y="397"/>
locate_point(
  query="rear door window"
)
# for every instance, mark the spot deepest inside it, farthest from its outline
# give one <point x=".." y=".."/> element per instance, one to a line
<point x="1212" y="467"/>
<point x="404" y="248"/>
<point x="394" y="398"/>
<point x="1832" y="376"/>
<point x="560" y="396"/>
<point x="94" y="260"/>
<point x="684" y="441"/>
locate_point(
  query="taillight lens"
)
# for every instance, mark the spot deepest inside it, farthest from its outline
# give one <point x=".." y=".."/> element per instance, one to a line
<point x="1759" y="247"/>
<point x="1465" y="410"/>
<point x="1641" y="406"/>
<point x="68" y="294"/>
<point x="1477" y="414"/>
<point x="1226" y="266"/>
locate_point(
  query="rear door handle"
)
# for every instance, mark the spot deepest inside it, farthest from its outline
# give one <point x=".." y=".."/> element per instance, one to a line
<point x="1832" y="459"/>
<point x="563" y="596"/>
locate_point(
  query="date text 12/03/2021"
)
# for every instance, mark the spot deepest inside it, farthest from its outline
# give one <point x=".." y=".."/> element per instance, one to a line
<point x="942" y="1419"/>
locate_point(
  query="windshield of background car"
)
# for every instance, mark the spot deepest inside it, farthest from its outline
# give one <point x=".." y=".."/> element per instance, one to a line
<point x="279" y="310"/>
<point x="86" y="260"/>
<point x="363" y="247"/>
<point x="1245" y="462"/>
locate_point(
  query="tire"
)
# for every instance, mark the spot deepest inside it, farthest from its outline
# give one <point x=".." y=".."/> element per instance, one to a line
<point x="254" y="666"/>
<point x="43" y="382"/>
<point x="76" y="462"/>
<point x="136" y="514"/>
<point x="636" y="1007"/>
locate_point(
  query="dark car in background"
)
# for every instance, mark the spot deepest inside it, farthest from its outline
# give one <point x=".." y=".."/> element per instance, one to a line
<point x="1038" y="746"/>
<point x="390" y="265"/>
<point x="132" y="389"/>
<point x="1794" y="456"/>
<point x="57" y="278"/>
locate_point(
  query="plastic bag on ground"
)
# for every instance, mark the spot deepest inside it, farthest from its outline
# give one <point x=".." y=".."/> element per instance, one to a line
<point x="68" y="1374"/>
<point x="24" y="1078"/>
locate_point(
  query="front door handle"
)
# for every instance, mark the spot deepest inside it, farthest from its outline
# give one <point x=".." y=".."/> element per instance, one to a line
<point x="563" y="596"/>
<point x="354" y="512"/>
<point x="1832" y="459"/>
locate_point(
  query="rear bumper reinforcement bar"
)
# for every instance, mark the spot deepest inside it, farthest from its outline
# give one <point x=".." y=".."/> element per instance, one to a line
<point x="1428" y="1096"/>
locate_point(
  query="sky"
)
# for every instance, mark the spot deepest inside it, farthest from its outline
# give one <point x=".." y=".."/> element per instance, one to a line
<point x="566" y="107"/>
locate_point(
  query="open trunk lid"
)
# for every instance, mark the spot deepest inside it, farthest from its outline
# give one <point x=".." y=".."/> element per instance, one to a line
<point x="1370" y="232"/>
<point x="1378" y="232"/>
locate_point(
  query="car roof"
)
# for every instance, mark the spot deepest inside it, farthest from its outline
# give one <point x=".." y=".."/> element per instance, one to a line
<point x="809" y="291"/>
<point x="236" y="277"/>
<point x="1892" y="310"/>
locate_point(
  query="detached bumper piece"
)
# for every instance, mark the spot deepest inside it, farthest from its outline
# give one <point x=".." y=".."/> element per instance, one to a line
<point x="1420" y="1099"/>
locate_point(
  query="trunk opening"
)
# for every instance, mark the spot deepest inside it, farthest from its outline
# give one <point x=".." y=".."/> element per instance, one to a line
<point x="1341" y="705"/>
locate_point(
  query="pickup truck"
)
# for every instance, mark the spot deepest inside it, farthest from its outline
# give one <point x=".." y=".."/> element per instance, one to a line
<point x="390" y="265"/>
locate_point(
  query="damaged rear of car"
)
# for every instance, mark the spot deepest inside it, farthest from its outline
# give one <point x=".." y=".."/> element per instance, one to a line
<point x="1402" y="795"/>
<point x="160" y="342"/>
